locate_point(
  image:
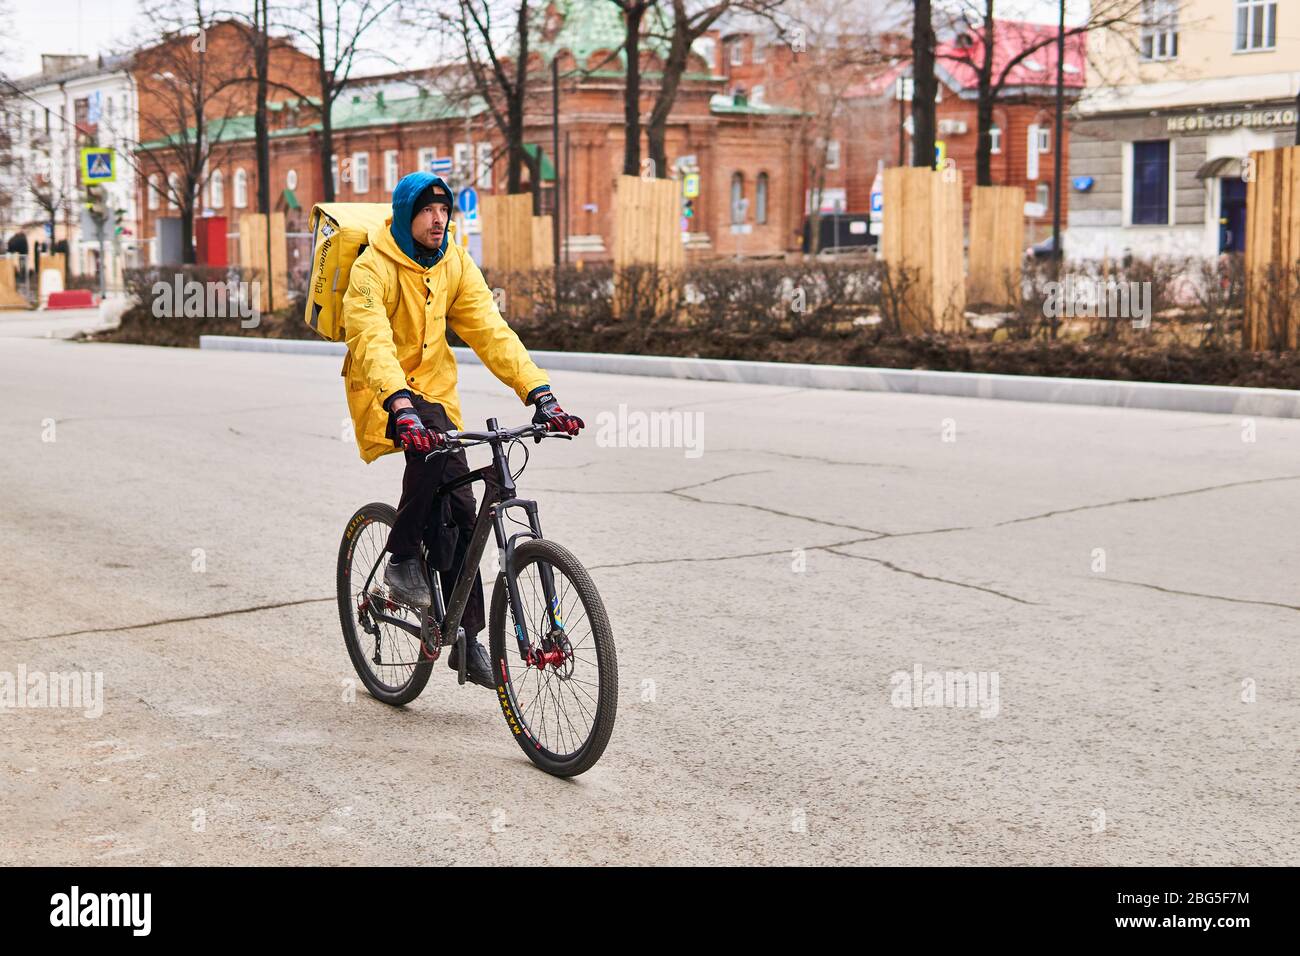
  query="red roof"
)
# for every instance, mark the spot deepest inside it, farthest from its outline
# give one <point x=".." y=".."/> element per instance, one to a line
<point x="1010" y="38"/>
<point x="881" y="82"/>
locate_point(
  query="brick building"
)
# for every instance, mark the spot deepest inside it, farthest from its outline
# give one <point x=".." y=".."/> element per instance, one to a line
<point x="872" y="126"/>
<point x="385" y="127"/>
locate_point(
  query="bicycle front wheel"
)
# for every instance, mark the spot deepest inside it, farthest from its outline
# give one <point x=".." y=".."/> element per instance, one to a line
<point x="560" y="700"/>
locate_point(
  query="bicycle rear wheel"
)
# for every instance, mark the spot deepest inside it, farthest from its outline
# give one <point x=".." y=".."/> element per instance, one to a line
<point x="560" y="703"/>
<point x="389" y="660"/>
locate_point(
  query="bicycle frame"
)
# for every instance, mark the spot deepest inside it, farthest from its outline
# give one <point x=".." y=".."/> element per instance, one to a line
<point x="499" y="494"/>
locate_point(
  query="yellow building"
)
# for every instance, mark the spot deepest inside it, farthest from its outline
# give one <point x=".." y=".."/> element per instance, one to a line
<point x="1174" y="105"/>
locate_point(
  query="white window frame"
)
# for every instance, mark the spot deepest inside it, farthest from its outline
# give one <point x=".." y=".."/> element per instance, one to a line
<point x="361" y="173"/>
<point x="833" y="154"/>
<point x="760" y="52"/>
<point x="1031" y="154"/>
<point x="1158" y="37"/>
<point x="217" y="190"/>
<point x="736" y="52"/>
<point x="484" y="168"/>
<point x="1246" y="13"/>
<point x="240" y="197"/>
<point x="426" y="158"/>
<point x="151" y="191"/>
<point x="1040" y="190"/>
<point x="1126" y="188"/>
<point x="995" y="139"/>
<point x="1044" y="139"/>
<point x="762" y="187"/>
<point x="173" y="187"/>
<point x="334" y="172"/>
<point x="462" y="159"/>
<point x="392" y="169"/>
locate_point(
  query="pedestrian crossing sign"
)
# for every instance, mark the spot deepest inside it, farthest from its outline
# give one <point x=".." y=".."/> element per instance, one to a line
<point x="98" y="165"/>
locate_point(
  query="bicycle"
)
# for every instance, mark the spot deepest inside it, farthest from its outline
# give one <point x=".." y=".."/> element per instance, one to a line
<point x="550" y="673"/>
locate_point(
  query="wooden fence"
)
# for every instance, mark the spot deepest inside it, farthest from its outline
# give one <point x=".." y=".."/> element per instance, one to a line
<point x="1273" y="250"/>
<point x="507" y="223"/>
<point x="10" y="297"/>
<point x="648" y="251"/>
<point x="921" y="242"/>
<point x="996" y="251"/>
<point x="252" y="255"/>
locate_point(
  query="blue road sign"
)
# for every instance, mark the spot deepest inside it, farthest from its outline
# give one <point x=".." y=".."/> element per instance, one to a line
<point x="467" y="201"/>
<point x="97" y="165"/>
<point x="441" y="166"/>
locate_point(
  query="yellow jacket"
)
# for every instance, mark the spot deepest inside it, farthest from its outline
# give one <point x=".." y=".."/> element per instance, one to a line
<point x="396" y="314"/>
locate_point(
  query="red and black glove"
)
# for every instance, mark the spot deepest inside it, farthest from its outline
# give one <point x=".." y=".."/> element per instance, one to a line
<point x="556" y="419"/>
<point x="413" y="435"/>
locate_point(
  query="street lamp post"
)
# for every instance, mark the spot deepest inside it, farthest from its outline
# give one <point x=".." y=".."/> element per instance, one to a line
<point x="1057" y="151"/>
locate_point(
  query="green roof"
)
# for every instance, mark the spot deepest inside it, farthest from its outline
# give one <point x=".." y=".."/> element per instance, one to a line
<point x="548" y="171"/>
<point x="589" y="26"/>
<point x="721" y="103"/>
<point x="347" y="114"/>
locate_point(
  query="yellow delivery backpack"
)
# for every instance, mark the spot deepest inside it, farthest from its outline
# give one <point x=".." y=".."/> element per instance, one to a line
<point x="340" y="232"/>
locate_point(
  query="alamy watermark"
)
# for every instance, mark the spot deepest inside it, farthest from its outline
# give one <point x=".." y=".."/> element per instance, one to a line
<point x="1081" y="297"/>
<point x="129" y="910"/>
<point x="78" y="690"/>
<point x="922" y="688"/>
<point x="233" y="299"/>
<point x="637" y="429"/>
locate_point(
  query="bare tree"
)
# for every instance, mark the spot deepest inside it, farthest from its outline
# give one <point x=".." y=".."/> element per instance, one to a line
<point x="257" y="39"/>
<point x="334" y="30"/>
<point x="494" y="39"/>
<point x="11" y="119"/>
<point x="189" y="92"/>
<point x="981" y="37"/>
<point x="634" y="13"/>
<point x="831" y="53"/>
<point x="691" y="19"/>
<point x="924" y="84"/>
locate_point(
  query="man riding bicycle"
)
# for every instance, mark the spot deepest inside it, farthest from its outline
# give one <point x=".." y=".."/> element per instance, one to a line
<point x="405" y="290"/>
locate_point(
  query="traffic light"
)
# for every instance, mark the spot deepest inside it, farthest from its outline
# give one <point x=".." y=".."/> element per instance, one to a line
<point x="97" y="203"/>
<point x="688" y="209"/>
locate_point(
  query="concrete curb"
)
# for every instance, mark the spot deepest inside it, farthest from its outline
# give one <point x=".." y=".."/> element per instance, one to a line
<point x="1213" y="399"/>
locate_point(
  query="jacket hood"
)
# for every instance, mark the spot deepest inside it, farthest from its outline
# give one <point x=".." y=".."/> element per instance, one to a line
<point x="404" y="196"/>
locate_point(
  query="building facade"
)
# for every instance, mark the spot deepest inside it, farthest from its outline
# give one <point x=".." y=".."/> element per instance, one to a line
<point x="871" y="125"/>
<point x="75" y="101"/>
<point x="384" y="128"/>
<point x="1159" y="153"/>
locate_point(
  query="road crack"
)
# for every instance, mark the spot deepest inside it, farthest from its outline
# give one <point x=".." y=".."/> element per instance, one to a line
<point x="1199" y="594"/>
<point x="733" y="557"/>
<point x="928" y="577"/>
<point x="175" y="620"/>
<point x="1134" y="501"/>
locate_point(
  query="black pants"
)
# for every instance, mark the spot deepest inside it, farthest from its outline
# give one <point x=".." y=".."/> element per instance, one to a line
<point x="421" y="519"/>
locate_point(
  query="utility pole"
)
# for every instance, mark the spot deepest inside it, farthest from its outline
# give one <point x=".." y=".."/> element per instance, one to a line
<point x="902" y="87"/>
<point x="555" y="157"/>
<point x="1056" y="158"/>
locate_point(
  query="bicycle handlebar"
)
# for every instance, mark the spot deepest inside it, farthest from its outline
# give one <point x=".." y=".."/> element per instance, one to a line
<point x="458" y="439"/>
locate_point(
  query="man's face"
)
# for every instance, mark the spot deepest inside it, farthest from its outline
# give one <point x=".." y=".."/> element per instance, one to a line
<point x="429" y="224"/>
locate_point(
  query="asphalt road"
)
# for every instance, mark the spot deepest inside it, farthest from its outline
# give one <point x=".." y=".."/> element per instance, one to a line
<point x="1122" y="583"/>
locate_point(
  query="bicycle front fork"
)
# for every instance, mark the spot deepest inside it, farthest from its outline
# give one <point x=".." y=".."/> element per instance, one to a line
<point x="506" y="550"/>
